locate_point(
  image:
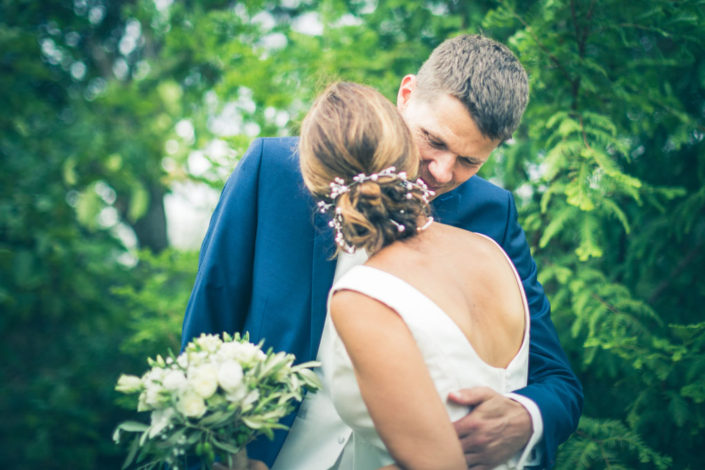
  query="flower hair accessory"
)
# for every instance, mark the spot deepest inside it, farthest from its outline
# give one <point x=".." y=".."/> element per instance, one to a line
<point x="339" y="187"/>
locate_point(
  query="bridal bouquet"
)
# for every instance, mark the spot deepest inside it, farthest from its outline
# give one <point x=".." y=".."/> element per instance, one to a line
<point x="211" y="400"/>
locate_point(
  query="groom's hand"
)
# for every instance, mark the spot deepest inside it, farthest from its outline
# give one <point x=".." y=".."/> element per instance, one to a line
<point x="496" y="428"/>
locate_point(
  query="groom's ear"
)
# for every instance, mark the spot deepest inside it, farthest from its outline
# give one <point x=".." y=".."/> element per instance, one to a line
<point x="408" y="84"/>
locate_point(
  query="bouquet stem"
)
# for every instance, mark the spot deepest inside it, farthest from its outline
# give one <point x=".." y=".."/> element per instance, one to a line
<point x="240" y="459"/>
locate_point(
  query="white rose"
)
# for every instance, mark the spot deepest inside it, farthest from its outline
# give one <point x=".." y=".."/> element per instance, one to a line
<point x="203" y="380"/>
<point x="237" y="395"/>
<point x="245" y="353"/>
<point x="196" y="358"/>
<point x="129" y="384"/>
<point x="209" y="343"/>
<point x="156" y="374"/>
<point x="191" y="404"/>
<point x="230" y="375"/>
<point x="152" y="395"/>
<point x="174" y="380"/>
<point x="252" y="353"/>
<point x="228" y="351"/>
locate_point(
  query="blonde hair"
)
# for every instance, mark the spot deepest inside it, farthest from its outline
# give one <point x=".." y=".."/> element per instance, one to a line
<point x="353" y="129"/>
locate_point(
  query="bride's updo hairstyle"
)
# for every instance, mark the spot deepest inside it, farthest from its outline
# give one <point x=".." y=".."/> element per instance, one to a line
<point x="353" y="130"/>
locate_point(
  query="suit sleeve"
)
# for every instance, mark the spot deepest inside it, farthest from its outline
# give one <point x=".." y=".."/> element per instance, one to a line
<point x="221" y="294"/>
<point x="552" y="384"/>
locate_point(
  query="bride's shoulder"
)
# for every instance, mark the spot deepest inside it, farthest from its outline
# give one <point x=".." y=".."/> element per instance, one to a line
<point x="468" y="248"/>
<point x="449" y="235"/>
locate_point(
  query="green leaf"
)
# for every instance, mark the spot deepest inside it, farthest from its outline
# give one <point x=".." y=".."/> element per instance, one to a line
<point x="134" y="447"/>
<point x="132" y="426"/>
<point x="226" y="446"/>
<point x="558" y="222"/>
<point x="618" y="212"/>
<point x="695" y="391"/>
<point x="216" y="417"/>
<point x="252" y="423"/>
<point x="139" y="202"/>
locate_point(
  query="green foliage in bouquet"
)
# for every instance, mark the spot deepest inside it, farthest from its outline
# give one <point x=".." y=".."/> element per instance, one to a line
<point x="211" y="400"/>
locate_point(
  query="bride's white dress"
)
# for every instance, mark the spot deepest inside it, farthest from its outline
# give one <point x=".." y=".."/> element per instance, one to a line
<point x="449" y="356"/>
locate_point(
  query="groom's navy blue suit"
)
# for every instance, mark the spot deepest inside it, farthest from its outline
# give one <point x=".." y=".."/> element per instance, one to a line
<point x="265" y="267"/>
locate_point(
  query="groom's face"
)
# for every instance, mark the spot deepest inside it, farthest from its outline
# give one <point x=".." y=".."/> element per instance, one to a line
<point x="451" y="146"/>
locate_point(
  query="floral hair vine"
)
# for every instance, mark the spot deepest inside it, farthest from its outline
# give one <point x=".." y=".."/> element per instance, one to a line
<point x="338" y="187"/>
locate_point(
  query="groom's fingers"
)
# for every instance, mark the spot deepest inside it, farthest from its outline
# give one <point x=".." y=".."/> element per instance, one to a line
<point x="471" y="396"/>
<point x="495" y="428"/>
<point x="472" y="423"/>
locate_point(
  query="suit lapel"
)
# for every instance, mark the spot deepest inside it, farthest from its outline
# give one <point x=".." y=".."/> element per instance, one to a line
<point x="445" y="207"/>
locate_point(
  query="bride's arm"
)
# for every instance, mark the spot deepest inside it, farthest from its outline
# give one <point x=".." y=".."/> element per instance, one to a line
<point x="395" y="384"/>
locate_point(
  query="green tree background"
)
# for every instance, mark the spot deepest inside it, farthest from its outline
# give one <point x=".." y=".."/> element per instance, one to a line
<point x="107" y="106"/>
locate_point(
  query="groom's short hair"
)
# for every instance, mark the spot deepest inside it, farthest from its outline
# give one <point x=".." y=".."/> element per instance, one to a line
<point x="484" y="75"/>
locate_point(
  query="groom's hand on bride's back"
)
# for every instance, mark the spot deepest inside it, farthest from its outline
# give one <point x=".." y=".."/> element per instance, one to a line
<point x="496" y="428"/>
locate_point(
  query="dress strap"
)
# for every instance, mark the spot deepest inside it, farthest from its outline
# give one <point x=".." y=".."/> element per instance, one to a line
<point x="388" y="289"/>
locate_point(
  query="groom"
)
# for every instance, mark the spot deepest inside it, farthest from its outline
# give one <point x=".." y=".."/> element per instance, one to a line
<point x="265" y="265"/>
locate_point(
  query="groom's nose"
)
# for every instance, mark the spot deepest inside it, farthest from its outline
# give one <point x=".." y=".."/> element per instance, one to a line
<point x="441" y="166"/>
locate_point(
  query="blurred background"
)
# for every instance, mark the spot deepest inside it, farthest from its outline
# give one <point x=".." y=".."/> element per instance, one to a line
<point x="121" y="120"/>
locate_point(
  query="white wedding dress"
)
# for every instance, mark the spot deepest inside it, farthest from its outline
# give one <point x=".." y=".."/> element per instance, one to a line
<point x="449" y="356"/>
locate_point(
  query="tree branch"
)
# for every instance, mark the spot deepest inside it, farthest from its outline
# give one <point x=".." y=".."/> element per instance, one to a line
<point x="680" y="267"/>
<point x="553" y="58"/>
<point x="582" y="129"/>
<point x="608" y="305"/>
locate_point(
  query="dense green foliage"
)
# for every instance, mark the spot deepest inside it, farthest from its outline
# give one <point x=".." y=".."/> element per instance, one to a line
<point x="107" y="105"/>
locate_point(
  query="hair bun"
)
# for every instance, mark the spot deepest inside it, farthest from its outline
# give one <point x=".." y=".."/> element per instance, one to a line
<point x="374" y="214"/>
<point x="369" y="190"/>
<point x="357" y="157"/>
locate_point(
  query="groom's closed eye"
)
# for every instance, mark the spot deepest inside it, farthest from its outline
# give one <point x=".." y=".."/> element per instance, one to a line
<point x="440" y="144"/>
<point x="434" y="141"/>
<point x="470" y="161"/>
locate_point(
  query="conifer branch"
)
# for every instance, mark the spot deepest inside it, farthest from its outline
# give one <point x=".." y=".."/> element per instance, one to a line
<point x="578" y="38"/>
<point x="605" y="458"/>
<point x="667" y="281"/>
<point x="628" y="25"/>
<point x="582" y="129"/>
<point x="552" y="57"/>
<point x="609" y="306"/>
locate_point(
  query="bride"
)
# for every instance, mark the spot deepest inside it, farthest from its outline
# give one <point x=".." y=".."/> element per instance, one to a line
<point x="433" y="310"/>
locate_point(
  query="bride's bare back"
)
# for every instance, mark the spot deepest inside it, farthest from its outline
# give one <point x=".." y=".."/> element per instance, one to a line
<point x="470" y="278"/>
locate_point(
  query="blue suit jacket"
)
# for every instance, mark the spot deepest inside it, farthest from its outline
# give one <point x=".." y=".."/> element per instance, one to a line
<point x="265" y="267"/>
